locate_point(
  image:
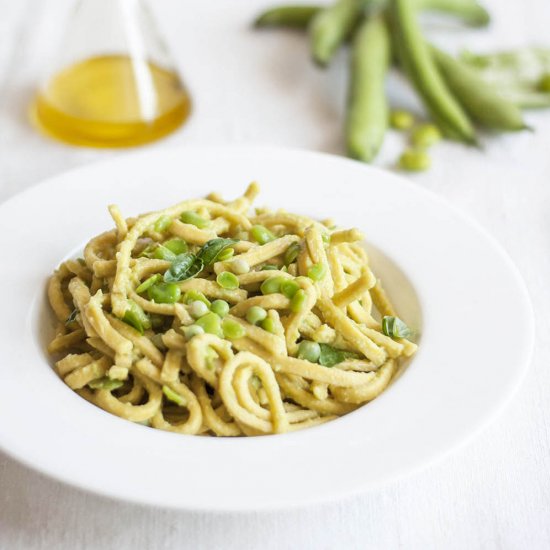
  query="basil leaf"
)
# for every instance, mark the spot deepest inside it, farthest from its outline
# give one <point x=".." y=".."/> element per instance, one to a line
<point x="187" y="265"/>
<point x="182" y="268"/>
<point x="332" y="356"/>
<point x="395" y="327"/>
<point x="212" y="249"/>
<point x="195" y="269"/>
<point x="72" y="316"/>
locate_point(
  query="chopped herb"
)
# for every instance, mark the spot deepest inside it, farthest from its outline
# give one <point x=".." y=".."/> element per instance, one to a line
<point x="395" y="327"/>
<point x="148" y="283"/>
<point x="185" y="266"/>
<point x="105" y="383"/>
<point x="72" y="316"/>
<point x="136" y="317"/>
<point x="171" y="395"/>
<point x="330" y="356"/>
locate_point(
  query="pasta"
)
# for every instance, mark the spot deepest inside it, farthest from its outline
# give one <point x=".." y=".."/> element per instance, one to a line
<point x="206" y="318"/>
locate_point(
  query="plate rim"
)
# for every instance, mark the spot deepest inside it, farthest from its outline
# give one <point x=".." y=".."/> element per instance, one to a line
<point x="462" y="441"/>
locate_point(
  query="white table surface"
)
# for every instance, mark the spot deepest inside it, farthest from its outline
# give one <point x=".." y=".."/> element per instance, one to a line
<point x="260" y="88"/>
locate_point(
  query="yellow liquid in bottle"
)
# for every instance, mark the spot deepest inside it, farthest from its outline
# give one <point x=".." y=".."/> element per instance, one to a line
<point x="108" y="102"/>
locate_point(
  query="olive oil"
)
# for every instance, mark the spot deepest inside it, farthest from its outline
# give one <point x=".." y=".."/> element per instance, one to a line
<point x="110" y="101"/>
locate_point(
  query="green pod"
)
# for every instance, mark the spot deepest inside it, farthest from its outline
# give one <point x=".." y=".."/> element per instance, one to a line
<point x="368" y="111"/>
<point x="299" y="16"/>
<point x="294" y="17"/>
<point x="480" y="99"/>
<point x="415" y="56"/>
<point x="470" y="11"/>
<point x="330" y="28"/>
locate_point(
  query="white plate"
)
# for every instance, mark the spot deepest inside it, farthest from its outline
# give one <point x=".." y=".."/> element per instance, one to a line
<point x="446" y="275"/>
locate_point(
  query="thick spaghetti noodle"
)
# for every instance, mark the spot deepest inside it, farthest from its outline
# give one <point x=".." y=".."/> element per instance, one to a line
<point x="203" y="319"/>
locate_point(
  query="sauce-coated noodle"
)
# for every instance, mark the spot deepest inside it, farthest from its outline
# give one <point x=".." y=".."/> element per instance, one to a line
<point x="204" y="319"/>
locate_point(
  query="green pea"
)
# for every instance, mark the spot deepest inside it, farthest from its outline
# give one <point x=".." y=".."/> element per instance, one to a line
<point x="425" y="136"/>
<point x="148" y="283"/>
<point x="224" y="255"/>
<point x="255" y="314"/>
<point x="164" y="293"/>
<point x="317" y="271"/>
<point x="309" y="351"/>
<point x="227" y="280"/>
<point x="291" y="253"/>
<point x="269" y="267"/>
<point x="414" y="160"/>
<point x="261" y="234"/>
<point x="171" y="395"/>
<point x="198" y="309"/>
<point x="289" y="287"/>
<point x="193" y="330"/>
<point x="544" y="83"/>
<point x="220" y="308"/>
<point x="271" y="285"/>
<point x="401" y="120"/>
<point x="269" y="325"/>
<point x="194" y="296"/>
<point x="177" y="246"/>
<point x="194" y="219"/>
<point x="240" y="266"/>
<point x="162" y="224"/>
<point x="297" y="303"/>
<point x="232" y="329"/>
<point x="211" y="324"/>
